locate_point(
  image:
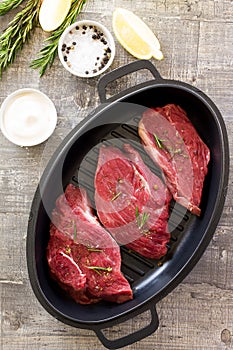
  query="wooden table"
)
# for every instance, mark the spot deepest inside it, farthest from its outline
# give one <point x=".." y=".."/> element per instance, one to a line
<point x="197" y="41"/>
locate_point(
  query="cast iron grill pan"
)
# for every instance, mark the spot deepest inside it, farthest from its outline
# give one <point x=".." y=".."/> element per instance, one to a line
<point x="114" y="123"/>
<point x="134" y="266"/>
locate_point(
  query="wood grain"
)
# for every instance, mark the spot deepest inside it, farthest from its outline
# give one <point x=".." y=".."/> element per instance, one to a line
<point x="197" y="41"/>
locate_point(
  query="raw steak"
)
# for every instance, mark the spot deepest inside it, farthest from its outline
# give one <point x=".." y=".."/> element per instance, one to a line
<point x="82" y="256"/>
<point x="131" y="201"/>
<point x="173" y="143"/>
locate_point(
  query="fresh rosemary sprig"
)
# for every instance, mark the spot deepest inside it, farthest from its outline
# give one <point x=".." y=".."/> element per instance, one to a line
<point x="75" y="232"/>
<point x="141" y="220"/>
<point x="158" y="141"/>
<point x="98" y="269"/>
<point x="48" y="53"/>
<point x="17" y="33"/>
<point x="116" y="196"/>
<point x="8" y="5"/>
<point x="93" y="249"/>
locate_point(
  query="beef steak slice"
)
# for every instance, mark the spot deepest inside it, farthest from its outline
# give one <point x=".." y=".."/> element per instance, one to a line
<point x="131" y="201"/>
<point x="174" y="145"/>
<point x="82" y="256"/>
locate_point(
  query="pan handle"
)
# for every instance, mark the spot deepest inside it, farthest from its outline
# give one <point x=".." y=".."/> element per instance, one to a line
<point x="132" y="337"/>
<point x="122" y="71"/>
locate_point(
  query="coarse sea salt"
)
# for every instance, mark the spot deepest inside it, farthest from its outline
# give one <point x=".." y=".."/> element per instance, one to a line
<point x="86" y="49"/>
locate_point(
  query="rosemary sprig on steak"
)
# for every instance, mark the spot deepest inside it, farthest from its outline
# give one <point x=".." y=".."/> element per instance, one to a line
<point x="48" y="53"/>
<point x="158" y="141"/>
<point x="116" y="196"/>
<point x="75" y="232"/>
<point x="141" y="220"/>
<point x="18" y="32"/>
<point x="90" y="249"/>
<point x="98" y="269"/>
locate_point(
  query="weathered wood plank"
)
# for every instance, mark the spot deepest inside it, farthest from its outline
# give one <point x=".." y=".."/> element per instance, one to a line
<point x="196" y="38"/>
<point x="197" y="325"/>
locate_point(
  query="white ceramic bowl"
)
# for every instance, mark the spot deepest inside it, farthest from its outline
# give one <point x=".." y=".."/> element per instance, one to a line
<point x="86" y="48"/>
<point x="27" y="117"/>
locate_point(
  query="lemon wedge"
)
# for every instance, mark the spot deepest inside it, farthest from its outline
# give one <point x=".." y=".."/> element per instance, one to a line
<point x="134" y="35"/>
<point x="52" y="13"/>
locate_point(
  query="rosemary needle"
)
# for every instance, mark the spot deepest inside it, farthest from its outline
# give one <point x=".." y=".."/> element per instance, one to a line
<point x="141" y="220"/>
<point x="158" y="141"/>
<point x="116" y="196"/>
<point x="8" y="5"/>
<point x="98" y="269"/>
<point x="75" y="232"/>
<point x="48" y="53"/>
<point x="18" y="32"/>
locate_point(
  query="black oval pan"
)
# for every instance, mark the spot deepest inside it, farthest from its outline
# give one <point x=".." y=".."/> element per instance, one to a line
<point x="115" y="122"/>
